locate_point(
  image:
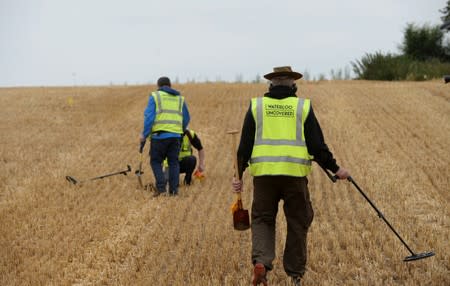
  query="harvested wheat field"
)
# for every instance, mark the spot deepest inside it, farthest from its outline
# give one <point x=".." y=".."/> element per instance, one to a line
<point x="393" y="137"/>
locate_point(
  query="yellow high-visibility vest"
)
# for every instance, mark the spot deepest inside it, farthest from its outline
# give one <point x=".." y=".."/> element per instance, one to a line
<point x="280" y="147"/>
<point x="169" y="112"/>
<point x="186" y="148"/>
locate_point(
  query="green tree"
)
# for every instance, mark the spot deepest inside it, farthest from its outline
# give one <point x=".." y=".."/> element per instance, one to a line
<point x="388" y="66"/>
<point x="380" y="66"/>
<point x="423" y="43"/>
<point x="446" y="26"/>
<point x="446" y="11"/>
<point x="425" y="54"/>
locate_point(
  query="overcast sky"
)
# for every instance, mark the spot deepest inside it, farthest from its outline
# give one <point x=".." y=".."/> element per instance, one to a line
<point x="86" y="42"/>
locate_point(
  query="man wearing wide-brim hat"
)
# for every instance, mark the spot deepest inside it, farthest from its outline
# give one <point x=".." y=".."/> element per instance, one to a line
<point x="280" y="138"/>
<point x="283" y="72"/>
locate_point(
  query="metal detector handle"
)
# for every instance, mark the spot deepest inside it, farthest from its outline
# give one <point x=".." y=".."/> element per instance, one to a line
<point x="124" y="172"/>
<point x="128" y="170"/>
<point x="141" y="147"/>
<point x="71" y="180"/>
<point x="332" y="178"/>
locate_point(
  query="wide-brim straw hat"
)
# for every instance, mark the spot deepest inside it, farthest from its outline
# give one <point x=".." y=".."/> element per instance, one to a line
<point x="283" y="71"/>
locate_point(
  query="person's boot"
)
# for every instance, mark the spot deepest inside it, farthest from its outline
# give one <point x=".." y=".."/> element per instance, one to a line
<point x="156" y="193"/>
<point x="259" y="275"/>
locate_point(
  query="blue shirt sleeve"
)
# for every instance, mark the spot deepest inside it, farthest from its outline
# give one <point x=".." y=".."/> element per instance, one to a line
<point x="149" y="117"/>
<point x="186" y="116"/>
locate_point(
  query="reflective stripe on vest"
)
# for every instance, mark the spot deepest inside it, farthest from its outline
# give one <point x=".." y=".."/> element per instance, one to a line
<point x="169" y="112"/>
<point x="280" y="147"/>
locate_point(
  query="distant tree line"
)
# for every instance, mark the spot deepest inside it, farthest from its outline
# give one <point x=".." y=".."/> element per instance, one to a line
<point x="425" y="54"/>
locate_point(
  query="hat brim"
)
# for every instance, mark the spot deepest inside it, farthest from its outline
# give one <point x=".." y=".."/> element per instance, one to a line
<point x="292" y="74"/>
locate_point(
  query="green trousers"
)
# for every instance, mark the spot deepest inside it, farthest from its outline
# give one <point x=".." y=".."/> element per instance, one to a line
<point x="298" y="211"/>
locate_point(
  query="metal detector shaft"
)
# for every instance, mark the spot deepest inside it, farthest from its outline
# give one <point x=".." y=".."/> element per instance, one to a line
<point x="75" y="181"/>
<point x="380" y="214"/>
<point x="124" y="172"/>
<point x="413" y="256"/>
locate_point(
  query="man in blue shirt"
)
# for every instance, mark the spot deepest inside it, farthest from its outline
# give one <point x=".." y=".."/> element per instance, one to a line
<point x="165" y="119"/>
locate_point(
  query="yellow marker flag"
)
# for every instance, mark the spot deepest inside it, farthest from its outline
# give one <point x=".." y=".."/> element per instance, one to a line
<point x="70" y="100"/>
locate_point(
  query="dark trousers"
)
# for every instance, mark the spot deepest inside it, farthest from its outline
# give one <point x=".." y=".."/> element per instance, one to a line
<point x="187" y="166"/>
<point x="268" y="191"/>
<point x="159" y="150"/>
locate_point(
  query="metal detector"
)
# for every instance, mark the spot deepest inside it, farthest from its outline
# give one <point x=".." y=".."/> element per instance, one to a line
<point x="75" y="181"/>
<point x="413" y="256"/>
